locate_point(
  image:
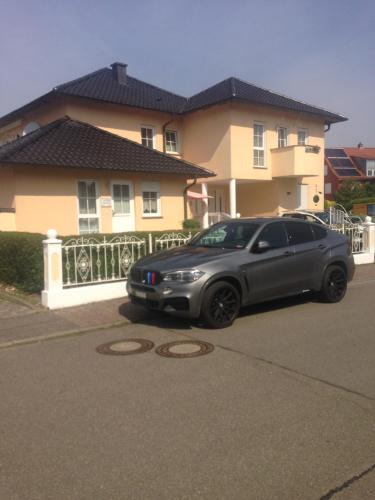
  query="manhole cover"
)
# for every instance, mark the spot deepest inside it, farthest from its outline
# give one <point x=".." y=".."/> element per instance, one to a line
<point x="185" y="349"/>
<point x="123" y="347"/>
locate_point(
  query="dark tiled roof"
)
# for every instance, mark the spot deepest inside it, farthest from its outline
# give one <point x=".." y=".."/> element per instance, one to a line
<point x="239" y="90"/>
<point x="103" y="86"/>
<point x="70" y="143"/>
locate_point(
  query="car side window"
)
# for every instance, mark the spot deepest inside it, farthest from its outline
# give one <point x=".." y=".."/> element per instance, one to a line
<point x="299" y="232"/>
<point x="319" y="232"/>
<point x="275" y="235"/>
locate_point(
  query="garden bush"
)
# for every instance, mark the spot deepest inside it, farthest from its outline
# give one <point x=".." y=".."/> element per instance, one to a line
<point x="191" y="224"/>
<point x="21" y="260"/>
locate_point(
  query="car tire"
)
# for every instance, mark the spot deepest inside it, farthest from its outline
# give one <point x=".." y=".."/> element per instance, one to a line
<point x="220" y="305"/>
<point x="334" y="284"/>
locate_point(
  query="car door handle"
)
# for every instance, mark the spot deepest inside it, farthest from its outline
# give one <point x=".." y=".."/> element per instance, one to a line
<point x="288" y="253"/>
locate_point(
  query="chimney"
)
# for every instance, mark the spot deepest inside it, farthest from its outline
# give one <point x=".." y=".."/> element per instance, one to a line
<point x="119" y="72"/>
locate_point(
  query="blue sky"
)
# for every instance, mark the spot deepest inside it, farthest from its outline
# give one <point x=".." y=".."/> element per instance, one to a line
<point x="318" y="51"/>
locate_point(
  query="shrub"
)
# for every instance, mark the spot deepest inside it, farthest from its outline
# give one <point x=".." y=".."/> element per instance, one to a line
<point x="21" y="260"/>
<point x="191" y="224"/>
<point x="363" y="201"/>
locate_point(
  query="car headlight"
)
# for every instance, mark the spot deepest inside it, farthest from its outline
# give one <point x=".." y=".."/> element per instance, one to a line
<point x="183" y="276"/>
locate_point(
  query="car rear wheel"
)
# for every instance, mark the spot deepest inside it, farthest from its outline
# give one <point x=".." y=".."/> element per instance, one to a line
<point x="221" y="304"/>
<point x="334" y="284"/>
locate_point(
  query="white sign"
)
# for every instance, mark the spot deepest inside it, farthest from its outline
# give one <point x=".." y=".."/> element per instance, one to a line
<point x="106" y="201"/>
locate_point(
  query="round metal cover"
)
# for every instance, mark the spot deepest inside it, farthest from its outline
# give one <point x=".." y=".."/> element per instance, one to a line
<point x="185" y="349"/>
<point x="125" y="346"/>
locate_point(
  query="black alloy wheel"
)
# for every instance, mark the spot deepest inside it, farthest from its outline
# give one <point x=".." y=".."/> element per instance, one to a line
<point x="221" y="304"/>
<point x="334" y="284"/>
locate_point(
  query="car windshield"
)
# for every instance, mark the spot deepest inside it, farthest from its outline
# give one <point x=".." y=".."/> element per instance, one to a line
<point x="234" y="235"/>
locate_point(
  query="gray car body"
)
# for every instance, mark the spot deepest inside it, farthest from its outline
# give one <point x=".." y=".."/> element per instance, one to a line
<point x="258" y="277"/>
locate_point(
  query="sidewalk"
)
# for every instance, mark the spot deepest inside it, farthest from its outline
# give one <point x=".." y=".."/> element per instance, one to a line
<point x="20" y="322"/>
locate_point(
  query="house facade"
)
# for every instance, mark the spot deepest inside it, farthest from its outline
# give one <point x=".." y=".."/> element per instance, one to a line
<point x="232" y="149"/>
<point x="342" y="164"/>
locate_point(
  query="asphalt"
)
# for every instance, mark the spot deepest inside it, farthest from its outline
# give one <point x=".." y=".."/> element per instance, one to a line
<point x="283" y="408"/>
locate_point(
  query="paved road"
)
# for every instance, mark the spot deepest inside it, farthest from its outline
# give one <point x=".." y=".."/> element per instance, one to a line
<point x="284" y="408"/>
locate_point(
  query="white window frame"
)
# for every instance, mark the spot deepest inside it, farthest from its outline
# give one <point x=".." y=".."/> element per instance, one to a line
<point x="305" y="131"/>
<point x="328" y="188"/>
<point x="370" y="171"/>
<point x="151" y="127"/>
<point x="89" y="216"/>
<point x="170" y="131"/>
<point x="279" y="128"/>
<point x="258" y="148"/>
<point x="153" y="187"/>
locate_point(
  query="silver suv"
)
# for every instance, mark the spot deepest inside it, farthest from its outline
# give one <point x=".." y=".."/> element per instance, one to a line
<point x="241" y="262"/>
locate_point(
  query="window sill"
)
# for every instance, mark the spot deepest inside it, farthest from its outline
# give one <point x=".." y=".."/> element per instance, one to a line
<point x="257" y="166"/>
<point x="152" y="216"/>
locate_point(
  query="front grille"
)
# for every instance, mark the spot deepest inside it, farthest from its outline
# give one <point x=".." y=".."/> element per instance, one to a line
<point x="145" y="276"/>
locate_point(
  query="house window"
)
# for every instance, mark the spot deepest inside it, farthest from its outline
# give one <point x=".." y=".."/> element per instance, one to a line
<point x="121" y="198"/>
<point x="171" y="143"/>
<point x="88" y="219"/>
<point x="282" y="135"/>
<point x="328" y="188"/>
<point x="147" y="137"/>
<point x="325" y="170"/>
<point x="151" y="199"/>
<point x="302" y="137"/>
<point x="258" y="145"/>
<point x="370" y="168"/>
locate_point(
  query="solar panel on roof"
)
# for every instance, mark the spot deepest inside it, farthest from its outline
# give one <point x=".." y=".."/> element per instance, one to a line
<point x="346" y="172"/>
<point x="341" y="162"/>
<point x="335" y="153"/>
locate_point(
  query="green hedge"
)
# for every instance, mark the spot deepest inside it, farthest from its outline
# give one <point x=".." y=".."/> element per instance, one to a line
<point x="363" y="201"/>
<point x="21" y="260"/>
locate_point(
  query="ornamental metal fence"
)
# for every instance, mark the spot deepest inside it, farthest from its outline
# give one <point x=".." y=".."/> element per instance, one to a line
<point x="88" y="260"/>
<point x="358" y="236"/>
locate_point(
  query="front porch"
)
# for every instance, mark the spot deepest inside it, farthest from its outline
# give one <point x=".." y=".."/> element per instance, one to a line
<point x="214" y="201"/>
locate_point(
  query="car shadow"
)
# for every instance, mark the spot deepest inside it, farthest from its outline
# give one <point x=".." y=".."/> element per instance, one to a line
<point x="159" y="319"/>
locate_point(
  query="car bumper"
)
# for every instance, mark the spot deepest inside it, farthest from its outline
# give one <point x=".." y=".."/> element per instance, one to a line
<point x="177" y="299"/>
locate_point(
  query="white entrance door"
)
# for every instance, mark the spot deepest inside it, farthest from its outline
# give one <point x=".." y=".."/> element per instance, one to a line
<point x="122" y="207"/>
<point x="302" y="196"/>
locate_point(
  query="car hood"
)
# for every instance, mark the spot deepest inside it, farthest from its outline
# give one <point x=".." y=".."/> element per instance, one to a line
<point x="183" y="257"/>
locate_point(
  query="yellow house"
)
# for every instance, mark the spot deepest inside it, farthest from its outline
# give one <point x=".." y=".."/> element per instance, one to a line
<point x="108" y="152"/>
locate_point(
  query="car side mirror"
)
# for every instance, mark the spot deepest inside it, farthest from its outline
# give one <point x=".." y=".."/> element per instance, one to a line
<point x="262" y="246"/>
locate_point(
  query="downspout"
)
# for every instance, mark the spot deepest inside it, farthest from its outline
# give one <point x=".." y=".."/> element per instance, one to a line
<point x="185" y="196"/>
<point x="328" y="127"/>
<point x="165" y="125"/>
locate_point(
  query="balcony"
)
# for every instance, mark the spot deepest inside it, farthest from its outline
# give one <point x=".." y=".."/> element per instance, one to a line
<point x="296" y="161"/>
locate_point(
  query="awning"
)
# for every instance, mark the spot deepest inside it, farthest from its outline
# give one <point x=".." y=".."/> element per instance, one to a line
<point x="199" y="196"/>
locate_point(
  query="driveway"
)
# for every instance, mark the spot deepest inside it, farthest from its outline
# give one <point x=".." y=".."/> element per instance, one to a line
<point x="283" y="408"/>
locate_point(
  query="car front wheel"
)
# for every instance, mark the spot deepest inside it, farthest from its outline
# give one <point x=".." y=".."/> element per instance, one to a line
<point x="220" y="305"/>
<point x="334" y="284"/>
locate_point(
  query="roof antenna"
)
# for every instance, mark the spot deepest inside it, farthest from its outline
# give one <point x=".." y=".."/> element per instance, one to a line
<point x="359" y="145"/>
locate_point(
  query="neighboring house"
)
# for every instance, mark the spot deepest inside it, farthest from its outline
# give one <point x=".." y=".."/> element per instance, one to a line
<point x="73" y="164"/>
<point x="341" y="164"/>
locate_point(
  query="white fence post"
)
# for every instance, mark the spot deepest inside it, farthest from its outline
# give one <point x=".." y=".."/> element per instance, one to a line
<point x="370" y="227"/>
<point x="53" y="279"/>
<point x="150" y="242"/>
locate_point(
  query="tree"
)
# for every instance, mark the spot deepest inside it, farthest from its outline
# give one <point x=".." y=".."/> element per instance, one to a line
<point x="350" y="190"/>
